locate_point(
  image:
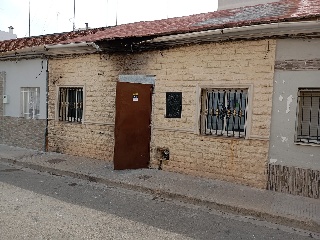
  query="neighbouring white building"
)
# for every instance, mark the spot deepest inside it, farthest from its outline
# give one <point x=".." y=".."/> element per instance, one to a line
<point x="7" y="35"/>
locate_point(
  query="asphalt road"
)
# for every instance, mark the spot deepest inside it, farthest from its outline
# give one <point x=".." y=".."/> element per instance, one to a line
<point x="36" y="205"/>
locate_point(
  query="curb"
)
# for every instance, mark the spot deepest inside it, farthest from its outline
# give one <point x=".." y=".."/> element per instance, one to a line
<point x="308" y="225"/>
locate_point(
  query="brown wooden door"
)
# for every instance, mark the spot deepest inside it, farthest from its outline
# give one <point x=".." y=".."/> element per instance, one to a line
<point x="132" y="126"/>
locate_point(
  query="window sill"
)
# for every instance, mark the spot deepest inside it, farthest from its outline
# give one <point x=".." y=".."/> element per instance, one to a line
<point x="66" y="122"/>
<point x="30" y="118"/>
<point x="251" y="137"/>
<point x="307" y="144"/>
<point x="224" y="136"/>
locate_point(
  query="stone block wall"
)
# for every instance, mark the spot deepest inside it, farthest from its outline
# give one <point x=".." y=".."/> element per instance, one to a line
<point x="95" y="136"/>
<point x="182" y="69"/>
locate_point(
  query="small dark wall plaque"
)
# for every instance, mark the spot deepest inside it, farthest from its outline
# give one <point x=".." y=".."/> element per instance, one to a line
<point x="173" y="104"/>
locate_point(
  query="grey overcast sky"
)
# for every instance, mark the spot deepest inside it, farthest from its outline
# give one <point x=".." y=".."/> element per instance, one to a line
<point x="52" y="16"/>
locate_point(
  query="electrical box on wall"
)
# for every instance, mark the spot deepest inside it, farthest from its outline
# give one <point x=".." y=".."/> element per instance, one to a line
<point x="5" y="99"/>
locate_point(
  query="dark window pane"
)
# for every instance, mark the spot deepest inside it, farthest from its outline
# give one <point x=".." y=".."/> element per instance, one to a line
<point x="70" y="104"/>
<point x="224" y="111"/>
<point x="173" y="104"/>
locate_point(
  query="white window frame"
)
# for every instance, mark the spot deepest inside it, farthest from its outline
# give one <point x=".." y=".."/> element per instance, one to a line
<point x="30" y="96"/>
<point x="57" y="118"/>
<point x="308" y="117"/>
<point x="199" y="119"/>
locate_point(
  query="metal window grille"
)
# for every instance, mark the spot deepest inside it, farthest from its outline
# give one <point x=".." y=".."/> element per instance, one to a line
<point x="224" y="112"/>
<point x="30" y="102"/>
<point x="70" y="104"/>
<point x="308" y="119"/>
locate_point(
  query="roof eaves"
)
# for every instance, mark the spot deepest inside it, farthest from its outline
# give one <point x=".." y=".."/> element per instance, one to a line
<point x="243" y="32"/>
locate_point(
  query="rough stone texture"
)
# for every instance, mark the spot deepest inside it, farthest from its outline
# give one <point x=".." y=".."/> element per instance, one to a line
<point x="90" y="140"/>
<point x="26" y="133"/>
<point x="182" y="69"/>
<point x="179" y="69"/>
<point x="98" y="75"/>
<point x="235" y="160"/>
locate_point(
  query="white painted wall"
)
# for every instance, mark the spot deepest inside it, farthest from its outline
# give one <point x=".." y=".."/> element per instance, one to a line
<point x="230" y="4"/>
<point x="23" y="73"/>
<point x="7" y="35"/>
<point x="283" y="150"/>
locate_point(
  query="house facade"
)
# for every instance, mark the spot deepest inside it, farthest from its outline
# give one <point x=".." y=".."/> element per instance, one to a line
<point x="23" y="109"/>
<point x="224" y="95"/>
<point x="294" y="154"/>
<point x="93" y="77"/>
<point x="216" y="101"/>
<point x="23" y="88"/>
<point x="190" y="70"/>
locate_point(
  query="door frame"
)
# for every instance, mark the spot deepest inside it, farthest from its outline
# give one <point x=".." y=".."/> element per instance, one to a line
<point x="140" y="79"/>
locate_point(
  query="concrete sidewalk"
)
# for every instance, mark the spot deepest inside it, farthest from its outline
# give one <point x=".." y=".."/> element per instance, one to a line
<point x="294" y="211"/>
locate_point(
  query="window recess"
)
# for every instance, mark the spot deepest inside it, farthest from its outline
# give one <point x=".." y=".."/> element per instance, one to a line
<point x="173" y="104"/>
<point x="224" y="112"/>
<point x="70" y="104"/>
<point x="30" y="102"/>
<point x="308" y="116"/>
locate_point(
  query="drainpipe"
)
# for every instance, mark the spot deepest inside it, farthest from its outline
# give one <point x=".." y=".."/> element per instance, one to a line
<point x="47" y="109"/>
<point x="2" y="116"/>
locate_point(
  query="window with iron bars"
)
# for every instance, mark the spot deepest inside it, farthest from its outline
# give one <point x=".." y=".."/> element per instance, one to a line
<point x="71" y="104"/>
<point x="224" y="112"/>
<point x="30" y="102"/>
<point x="308" y="116"/>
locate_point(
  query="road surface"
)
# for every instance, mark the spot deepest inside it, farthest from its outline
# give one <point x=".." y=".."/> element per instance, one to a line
<point x="36" y="205"/>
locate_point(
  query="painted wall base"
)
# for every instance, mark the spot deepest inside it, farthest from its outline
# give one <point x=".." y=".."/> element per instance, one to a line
<point x="292" y="180"/>
<point x="20" y="132"/>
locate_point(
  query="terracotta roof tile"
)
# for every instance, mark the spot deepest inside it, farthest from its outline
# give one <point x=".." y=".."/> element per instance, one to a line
<point x="284" y="10"/>
<point x="15" y="44"/>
